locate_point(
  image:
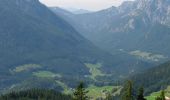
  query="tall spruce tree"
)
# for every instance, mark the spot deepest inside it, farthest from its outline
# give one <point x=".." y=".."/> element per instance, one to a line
<point x="162" y="96"/>
<point x="109" y="96"/>
<point x="80" y="92"/>
<point x="140" y="94"/>
<point x="127" y="91"/>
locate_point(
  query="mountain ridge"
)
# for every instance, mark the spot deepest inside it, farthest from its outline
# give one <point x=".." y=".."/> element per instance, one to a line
<point x="134" y="23"/>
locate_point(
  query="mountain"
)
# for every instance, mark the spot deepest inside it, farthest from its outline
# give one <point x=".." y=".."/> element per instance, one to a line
<point x="127" y="64"/>
<point x="40" y="49"/>
<point x="140" y="26"/>
<point x="153" y="79"/>
<point x="66" y="15"/>
<point x="77" y="11"/>
<point x="81" y="11"/>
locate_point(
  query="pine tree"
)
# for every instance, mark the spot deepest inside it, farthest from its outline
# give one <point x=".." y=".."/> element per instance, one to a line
<point x="162" y="96"/>
<point x="127" y="91"/>
<point x="157" y="98"/>
<point x="80" y="92"/>
<point x="109" y="96"/>
<point x="140" y="94"/>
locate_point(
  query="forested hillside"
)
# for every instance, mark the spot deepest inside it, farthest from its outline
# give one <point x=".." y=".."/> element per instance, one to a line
<point x="153" y="79"/>
<point x="35" y="94"/>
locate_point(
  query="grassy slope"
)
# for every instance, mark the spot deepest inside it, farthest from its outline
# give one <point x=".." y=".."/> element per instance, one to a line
<point x="25" y="67"/>
<point x="94" y="70"/>
<point x="66" y="89"/>
<point x="153" y="95"/>
<point x="45" y="74"/>
<point x="96" y="92"/>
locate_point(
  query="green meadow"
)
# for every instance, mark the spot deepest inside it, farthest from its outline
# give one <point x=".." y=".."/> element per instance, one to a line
<point x="46" y="74"/>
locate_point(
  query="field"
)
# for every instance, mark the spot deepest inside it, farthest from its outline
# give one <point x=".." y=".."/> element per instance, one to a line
<point x="67" y="90"/>
<point x="94" y="69"/>
<point x="96" y="92"/>
<point x="25" y="67"/>
<point x="155" y="94"/>
<point x="45" y="74"/>
<point x="147" y="55"/>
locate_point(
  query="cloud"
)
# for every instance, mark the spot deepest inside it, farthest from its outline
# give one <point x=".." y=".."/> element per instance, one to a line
<point x="83" y="4"/>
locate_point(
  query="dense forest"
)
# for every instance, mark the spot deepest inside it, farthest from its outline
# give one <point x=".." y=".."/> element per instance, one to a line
<point x="153" y="79"/>
<point x="35" y="94"/>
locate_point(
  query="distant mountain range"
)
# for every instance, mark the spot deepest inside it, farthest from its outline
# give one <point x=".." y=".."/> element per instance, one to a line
<point x="77" y="11"/>
<point x="141" y="25"/>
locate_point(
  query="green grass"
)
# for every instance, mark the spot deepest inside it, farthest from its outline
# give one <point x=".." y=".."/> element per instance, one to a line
<point x="46" y="74"/>
<point x="94" y="69"/>
<point x="67" y="90"/>
<point x="96" y="92"/>
<point x="26" y="67"/>
<point x="153" y="95"/>
<point x="147" y="55"/>
<point x="167" y="91"/>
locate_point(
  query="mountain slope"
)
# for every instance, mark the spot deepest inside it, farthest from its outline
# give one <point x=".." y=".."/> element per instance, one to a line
<point x="40" y="49"/>
<point x="153" y="79"/>
<point x="29" y="36"/>
<point x="136" y="25"/>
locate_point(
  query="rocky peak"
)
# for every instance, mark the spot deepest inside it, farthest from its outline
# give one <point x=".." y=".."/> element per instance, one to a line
<point x="154" y="4"/>
<point x="156" y="10"/>
<point x="126" y="6"/>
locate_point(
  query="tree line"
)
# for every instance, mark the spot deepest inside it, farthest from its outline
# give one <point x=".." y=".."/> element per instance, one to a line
<point x="80" y="93"/>
<point x="127" y="93"/>
<point x="35" y="94"/>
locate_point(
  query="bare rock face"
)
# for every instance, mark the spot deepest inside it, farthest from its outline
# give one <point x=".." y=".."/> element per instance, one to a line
<point x="156" y="10"/>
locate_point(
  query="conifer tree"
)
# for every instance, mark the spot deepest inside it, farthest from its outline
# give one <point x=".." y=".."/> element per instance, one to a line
<point x="140" y="94"/>
<point x="80" y="92"/>
<point x="162" y="96"/>
<point x="109" y="96"/>
<point x="127" y="91"/>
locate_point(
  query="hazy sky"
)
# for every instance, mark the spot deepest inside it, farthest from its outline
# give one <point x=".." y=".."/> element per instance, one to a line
<point x="83" y="4"/>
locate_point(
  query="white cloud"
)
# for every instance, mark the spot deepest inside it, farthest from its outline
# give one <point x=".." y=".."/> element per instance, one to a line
<point x="83" y="4"/>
